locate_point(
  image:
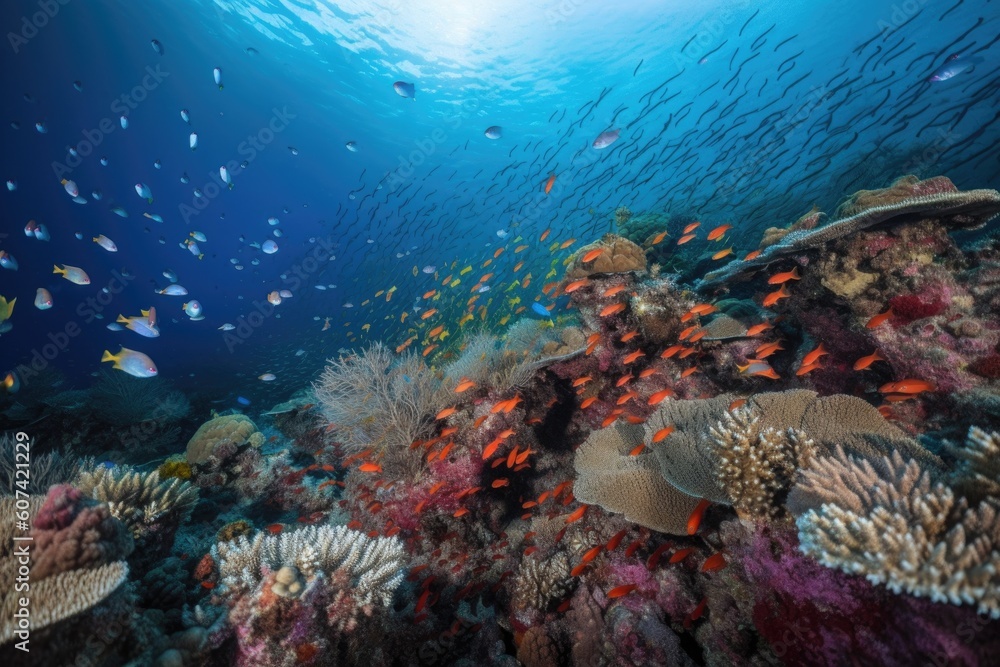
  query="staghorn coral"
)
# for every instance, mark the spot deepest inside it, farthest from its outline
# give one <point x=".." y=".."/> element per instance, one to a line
<point x="977" y="473"/>
<point x="377" y="399"/>
<point x="889" y="521"/>
<point x="620" y="256"/>
<point x="139" y="499"/>
<point x="908" y="200"/>
<point x="374" y="566"/>
<point x="757" y="465"/>
<point x="632" y="485"/>
<point x="221" y="432"/>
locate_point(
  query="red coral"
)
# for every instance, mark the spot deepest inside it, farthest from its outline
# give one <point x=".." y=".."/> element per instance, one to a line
<point x="909" y="307"/>
<point x="205" y="567"/>
<point x="987" y="367"/>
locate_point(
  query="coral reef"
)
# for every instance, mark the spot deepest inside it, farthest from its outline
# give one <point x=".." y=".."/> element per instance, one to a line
<point x="906" y="201"/>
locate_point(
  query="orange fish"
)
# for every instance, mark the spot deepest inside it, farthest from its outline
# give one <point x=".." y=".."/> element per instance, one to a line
<point x="497" y="483"/>
<point x="464" y="385"/>
<point x="691" y="227"/>
<point x="647" y="372"/>
<point x="718" y="232"/>
<point x="671" y="351"/>
<point x="626" y="397"/>
<point x="722" y="254"/>
<point x="629" y="358"/>
<point x="759" y="328"/>
<point x="447" y="412"/>
<point x="879" y="319"/>
<point x="680" y="555"/>
<point x="814" y="356"/>
<point x="591" y="255"/>
<point x="698" y="335"/>
<point x="587" y="402"/>
<point x="662" y="433"/>
<point x="753" y="254"/>
<point x="520" y="248"/>
<point x="659" y="396"/>
<point x="616" y="540"/>
<point x="688" y="371"/>
<point x="713" y="563"/>
<point x="581" y="381"/>
<point x="274" y="528"/>
<point x="774" y="297"/>
<point x="548" y="188"/>
<point x="694" y="521"/>
<point x="782" y="278"/>
<point x="576" y="515"/>
<point x="738" y="403"/>
<point x="592" y="553"/>
<point x="428" y="350"/>
<point x="462" y="511"/>
<point x="684" y="239"/>
<point x="621" y="591"/>
<point x="907" y="386"/>
<point x="575" y="285"/>
<point x="807" y="368"/>
<point x="659" y="237"/>
<point x="637" y="449"/>
<point x="765" y="350"/>
<point x="578" y="570"/>
<point x="517" y="267"/>
<point x="428" y="313"/>
<point x="864" y="362"/>
<point x="435" y="331"/>
<point x="566" y="244"/>
<point x="498" y="252"/>
<point x="629" y="336"/>
<point x="624" y="380"/>
<point x="611" y="291"/>
<point x="370" y="467"/>
<point x="687" y="332"/>
<point x="613" y="309"/>
<point x="545" y="234"/>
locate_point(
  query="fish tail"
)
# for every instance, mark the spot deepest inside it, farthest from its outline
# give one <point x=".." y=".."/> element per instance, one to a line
<point x="107" y="356"/>
<point x="122" y="319"/>
<point x="56" y="269"/>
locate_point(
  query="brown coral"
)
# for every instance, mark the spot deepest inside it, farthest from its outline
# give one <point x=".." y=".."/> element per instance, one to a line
<point x="620" y="256"/>
<point x="632" y="485"/>
<point x="538" y="649"/>
<point x="225" y="430"/>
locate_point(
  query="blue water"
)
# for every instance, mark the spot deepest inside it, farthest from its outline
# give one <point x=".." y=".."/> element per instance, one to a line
<point x="694" y="89"/>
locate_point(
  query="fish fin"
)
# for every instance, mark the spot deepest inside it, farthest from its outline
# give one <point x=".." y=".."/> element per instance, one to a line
<point x="56" y="269"/>
<point x="145" y="313"/>
<point x="123" y="320"/>
<point x="107" y="356"/>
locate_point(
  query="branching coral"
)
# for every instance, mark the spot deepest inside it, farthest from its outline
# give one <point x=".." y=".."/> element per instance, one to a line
<point x="891" y="522"/>
<point x="50" y="468"/>
<point x="541" y="582"/>
<point x="374" y="565"/>
<point x="977" y="475"/>
<point x="139" y="499"/>
<point x="757" y="465"/>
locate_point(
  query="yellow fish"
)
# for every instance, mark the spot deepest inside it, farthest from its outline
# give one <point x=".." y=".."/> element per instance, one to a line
<point x="550" y="274"/>
<point x="455" y="282"/>
<point x="402" y="317"/>
<point x="465" y="270"/>
<point x="514" y="284"/>
<point x="465" y="318"/>
<point x="513" y="302"/>
<point x="366" y="302"/>
<point x="379" y="293"/>
<point x="6" y="308"/>
<point x="366" y="327"/>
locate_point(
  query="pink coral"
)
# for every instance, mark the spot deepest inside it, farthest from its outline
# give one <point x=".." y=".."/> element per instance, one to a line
<point x="909" y="307"/>
<point x="73" y="532"/>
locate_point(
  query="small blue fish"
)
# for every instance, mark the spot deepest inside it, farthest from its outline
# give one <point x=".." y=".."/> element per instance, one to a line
<point x="404" y="89"/>
<point x="242" y="401"/>
<point x="493" y="132"/>
<point x="541" y="310"/>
